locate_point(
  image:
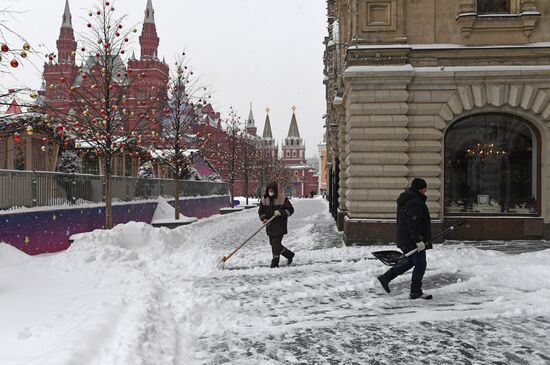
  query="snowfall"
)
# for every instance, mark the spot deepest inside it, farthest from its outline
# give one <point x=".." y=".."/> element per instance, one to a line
<point x="141" y="295"/>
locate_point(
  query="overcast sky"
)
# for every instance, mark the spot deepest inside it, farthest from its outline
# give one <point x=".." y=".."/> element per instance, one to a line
<point x="268" y="52"/>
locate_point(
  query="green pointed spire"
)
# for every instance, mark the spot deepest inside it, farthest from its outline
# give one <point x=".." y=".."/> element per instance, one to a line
<point x="267" y="127"/>
<point x="293" y="130"/>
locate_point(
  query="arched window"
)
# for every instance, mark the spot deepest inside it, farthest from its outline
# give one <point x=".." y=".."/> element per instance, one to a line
<point x="491" y="166"/>
<point x="493" y="6"/>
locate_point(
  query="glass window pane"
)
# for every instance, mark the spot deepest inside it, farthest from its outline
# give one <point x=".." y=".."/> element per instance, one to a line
<point x="493" y="6"/>
<point x="491" y="166"/>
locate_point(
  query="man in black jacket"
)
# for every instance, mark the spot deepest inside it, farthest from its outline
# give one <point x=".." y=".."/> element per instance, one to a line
<point x="413" y="231"/>
<point x="276" y="204"/>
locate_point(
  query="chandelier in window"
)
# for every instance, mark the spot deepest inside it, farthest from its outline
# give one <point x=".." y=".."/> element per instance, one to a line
<point x="481" y="151"/>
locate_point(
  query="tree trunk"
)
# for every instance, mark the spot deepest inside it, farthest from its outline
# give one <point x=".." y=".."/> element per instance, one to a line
<point x="108" y="194"/>
<point x="246" y="187"/>
<point x="231" y="193"/>
<point x="177" y="196"/>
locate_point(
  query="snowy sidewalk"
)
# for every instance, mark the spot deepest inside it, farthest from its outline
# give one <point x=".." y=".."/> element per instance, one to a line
<point x="138" y="295"/>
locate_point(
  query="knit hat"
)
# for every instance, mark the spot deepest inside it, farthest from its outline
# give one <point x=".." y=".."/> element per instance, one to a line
<point x="418" y="184"/>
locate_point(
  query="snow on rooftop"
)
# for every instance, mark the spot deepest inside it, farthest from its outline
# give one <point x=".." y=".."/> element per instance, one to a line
<point x="486" y="68"/>
<point x="447" y="46"/>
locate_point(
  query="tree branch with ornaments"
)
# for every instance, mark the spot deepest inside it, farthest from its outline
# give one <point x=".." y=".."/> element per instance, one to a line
<point x="174" y="149"/>
<point x="223" y="149"/>
<point x="103" y="104"/>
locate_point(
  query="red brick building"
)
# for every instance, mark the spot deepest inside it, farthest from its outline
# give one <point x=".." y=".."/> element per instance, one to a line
<point x="62" y="73"/>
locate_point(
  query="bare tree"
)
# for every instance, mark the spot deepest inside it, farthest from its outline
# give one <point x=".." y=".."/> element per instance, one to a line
<point x="269" y="168"/>
<point x="223" y="150"/>
<point x="105" y="111"/>
<point x="184" y="108"/>
<point x="250" y="157"/>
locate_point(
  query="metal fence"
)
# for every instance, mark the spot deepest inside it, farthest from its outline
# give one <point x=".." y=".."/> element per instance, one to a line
<point x="20" y="189"/>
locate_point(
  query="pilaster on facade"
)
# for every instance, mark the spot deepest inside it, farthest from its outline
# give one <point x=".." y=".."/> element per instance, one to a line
<point x="376" y="142"/>
<point x="340" y="114"/>
<point x="426" y="128"/>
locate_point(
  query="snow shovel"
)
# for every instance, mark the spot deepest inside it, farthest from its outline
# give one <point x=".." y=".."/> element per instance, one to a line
<point x="396" y="258"/>
<point x="225" y="258"/>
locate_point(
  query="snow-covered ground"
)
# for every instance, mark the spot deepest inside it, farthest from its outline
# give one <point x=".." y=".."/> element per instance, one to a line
<point x="139" y="295"/>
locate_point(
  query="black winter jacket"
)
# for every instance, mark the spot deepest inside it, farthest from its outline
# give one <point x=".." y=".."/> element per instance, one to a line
<point x="413" y="220"/>
<point x="268" y="206"/>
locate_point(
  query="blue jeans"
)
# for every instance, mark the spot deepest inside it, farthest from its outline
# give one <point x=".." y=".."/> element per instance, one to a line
<point x="418" y="261"/>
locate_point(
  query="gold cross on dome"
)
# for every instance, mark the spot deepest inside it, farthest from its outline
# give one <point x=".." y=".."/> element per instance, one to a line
<point x="267" y="110"/>
<point x="294" y="108"/>
<point x="27" y="240"/>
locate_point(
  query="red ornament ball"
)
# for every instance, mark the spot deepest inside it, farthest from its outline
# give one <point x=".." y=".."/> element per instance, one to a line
<point x="14" y="63"/>
<point x="5" y="48"/>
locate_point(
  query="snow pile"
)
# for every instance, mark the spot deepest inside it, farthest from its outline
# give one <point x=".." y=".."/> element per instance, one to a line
<point x="165" y="213"/>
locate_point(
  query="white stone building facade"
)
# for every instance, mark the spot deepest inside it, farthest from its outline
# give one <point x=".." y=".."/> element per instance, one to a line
<point x="456" y="92"/>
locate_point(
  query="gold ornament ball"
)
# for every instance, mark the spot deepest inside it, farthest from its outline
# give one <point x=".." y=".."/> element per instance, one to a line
<point x="26" y="46"/>
<point x="23" y="54"/>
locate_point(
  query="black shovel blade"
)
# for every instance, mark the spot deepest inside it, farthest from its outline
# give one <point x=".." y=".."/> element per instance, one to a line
<point x="391" y="258"/>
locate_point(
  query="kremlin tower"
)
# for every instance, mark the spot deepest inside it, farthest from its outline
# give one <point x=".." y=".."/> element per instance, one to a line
<point x="141" y="89"/>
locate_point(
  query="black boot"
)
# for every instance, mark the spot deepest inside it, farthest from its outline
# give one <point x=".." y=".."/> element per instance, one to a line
<point x="289" y="255"/>
<point x="417" y="293"/>
<point x="385" y="279"/>
<point x="421" y="295"/>
<point x="274" y="263"/>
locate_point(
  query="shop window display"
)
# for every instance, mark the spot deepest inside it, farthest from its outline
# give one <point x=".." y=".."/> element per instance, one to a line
<point x="491" y="166"/>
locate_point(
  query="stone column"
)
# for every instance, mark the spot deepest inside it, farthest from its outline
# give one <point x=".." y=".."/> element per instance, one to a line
<point x="343" y="177"/>
<point x="376" y="152"/>
<point x="426" y="138"/>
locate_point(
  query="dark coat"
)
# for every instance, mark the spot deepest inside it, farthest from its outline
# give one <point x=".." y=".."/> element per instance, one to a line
<point x="268" y="206"/>
<point x="413" y="220"/>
